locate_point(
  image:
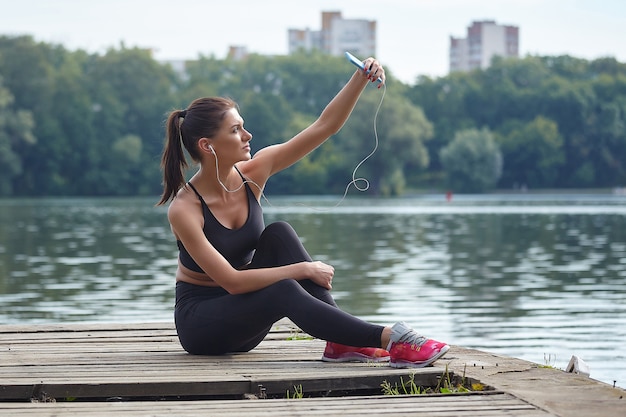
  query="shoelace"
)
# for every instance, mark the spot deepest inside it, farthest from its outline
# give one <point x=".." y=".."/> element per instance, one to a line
<point x="411" y="337"/>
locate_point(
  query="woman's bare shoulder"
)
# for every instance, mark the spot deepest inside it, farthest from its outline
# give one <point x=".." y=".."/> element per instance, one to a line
<point x="184" y="202"/>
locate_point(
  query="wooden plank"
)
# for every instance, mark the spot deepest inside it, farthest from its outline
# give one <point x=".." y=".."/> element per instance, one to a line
<point x="11" y="329"/>
<point x="55" y="332"/>
<point x="496" y="404"/>
<point x="81" y="327"/>
<point x="218" y="384"/>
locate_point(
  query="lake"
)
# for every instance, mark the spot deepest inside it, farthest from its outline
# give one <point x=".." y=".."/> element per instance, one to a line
<point x="535" y="276"/>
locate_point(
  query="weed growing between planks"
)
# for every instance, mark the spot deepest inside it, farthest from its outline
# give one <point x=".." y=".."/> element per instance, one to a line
<point x="297" y="335"/>
<point x="447" y="385"/>
<point x="297" y="393"/>
<point x="549" y="361"/>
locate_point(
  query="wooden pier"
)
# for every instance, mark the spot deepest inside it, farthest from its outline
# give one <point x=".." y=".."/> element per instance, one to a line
<point x="141" y="370"/>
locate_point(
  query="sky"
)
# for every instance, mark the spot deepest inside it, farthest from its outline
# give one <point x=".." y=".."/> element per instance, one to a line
<point x="413" y="36"/>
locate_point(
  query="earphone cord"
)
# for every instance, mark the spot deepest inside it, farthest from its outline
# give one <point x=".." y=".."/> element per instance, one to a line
<point x="217" y="170"/>
<point x="376" y="140"/>
<point x="355" y="181"/>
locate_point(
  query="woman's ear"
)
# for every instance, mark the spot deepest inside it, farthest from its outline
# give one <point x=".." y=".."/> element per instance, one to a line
<point x="205" y="145"/>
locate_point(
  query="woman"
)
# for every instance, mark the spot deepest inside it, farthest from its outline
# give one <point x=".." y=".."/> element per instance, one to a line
<point x="236" y="277"/>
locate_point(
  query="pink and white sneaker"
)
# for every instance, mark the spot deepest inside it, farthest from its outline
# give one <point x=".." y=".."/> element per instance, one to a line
<point x="334" y="352"/>
<point x="408" y="349"/>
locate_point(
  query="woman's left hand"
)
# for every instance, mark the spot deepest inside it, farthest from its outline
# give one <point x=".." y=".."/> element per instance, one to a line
<point x="373" y="70"/>
<point x="321" y="273"/>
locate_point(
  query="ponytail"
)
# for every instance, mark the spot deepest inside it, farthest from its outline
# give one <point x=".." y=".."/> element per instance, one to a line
<point x="173" y="161"/>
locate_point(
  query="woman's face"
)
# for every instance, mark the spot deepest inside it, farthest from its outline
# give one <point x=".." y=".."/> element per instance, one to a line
<point x="233" y="141"/>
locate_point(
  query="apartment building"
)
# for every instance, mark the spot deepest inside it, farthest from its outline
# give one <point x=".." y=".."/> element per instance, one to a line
<point x="336" y="36"/>
<point x="484" y="40"/>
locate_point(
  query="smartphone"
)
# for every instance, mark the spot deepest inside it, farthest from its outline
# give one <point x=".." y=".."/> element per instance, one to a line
<point x="358" y="63"/>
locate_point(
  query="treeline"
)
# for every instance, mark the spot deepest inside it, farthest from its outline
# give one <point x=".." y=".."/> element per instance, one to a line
<point x="74" y="123"/>
<point x="544" y="122"/>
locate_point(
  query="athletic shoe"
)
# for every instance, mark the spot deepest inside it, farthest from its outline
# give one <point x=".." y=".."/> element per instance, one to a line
<point x="408" y="349"/>
<point x="335" y="352"/>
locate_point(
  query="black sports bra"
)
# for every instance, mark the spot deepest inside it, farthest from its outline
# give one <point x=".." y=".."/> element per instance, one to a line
<point x="236" y="245"/>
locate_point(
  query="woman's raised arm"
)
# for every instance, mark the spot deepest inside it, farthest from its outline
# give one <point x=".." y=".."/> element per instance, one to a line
<point x="272" y="159"/>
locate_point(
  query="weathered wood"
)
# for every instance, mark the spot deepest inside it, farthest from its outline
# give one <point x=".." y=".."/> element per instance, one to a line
<point x="102" y="361"/>
<point x="141" y="369"/>
<point x="496" y="404"/>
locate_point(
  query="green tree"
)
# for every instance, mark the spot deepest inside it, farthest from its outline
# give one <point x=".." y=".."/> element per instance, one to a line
<point x="308" y="81"/>
<point x="127" y="151"/>
<point x="472" y="161"/>
<point x="16" y="131"/>
<point x="28" y="69"/>
<point x="131" y="94"/>
<point x="445" y="103"/>
<point x="607" y="125"/>
<point x="508" y="90"/>
<point x="69" y="147"/>
<point x="314" y="174"/>
<point x="583" y="98"/>
<point x="402" y="130"/>
<point x="204" y="77"/>
<point x="532" y="153"/>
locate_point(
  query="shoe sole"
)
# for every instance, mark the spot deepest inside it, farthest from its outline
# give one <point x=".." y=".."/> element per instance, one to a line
<point x="408" y="364"/>
<point x="356" y="358"/>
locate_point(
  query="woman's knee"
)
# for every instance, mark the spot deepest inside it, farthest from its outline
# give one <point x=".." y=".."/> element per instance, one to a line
<point x="279" y="245"/>
<point x="282" y="230"/>
<point x="284" y="287"/>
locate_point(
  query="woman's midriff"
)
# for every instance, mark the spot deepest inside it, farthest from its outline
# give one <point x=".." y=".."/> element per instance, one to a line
<point x="192" y="277"/>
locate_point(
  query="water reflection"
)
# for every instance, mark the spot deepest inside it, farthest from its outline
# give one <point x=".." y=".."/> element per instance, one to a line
<point x="530" y="276"/>
<point x="84" y="260"/>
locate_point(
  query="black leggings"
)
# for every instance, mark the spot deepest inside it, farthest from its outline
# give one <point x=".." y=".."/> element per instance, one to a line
<point x="211" y="321"/>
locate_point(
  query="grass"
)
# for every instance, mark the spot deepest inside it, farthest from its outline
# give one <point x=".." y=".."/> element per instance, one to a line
<point x="549" y="361"/>
<point x="408" y="388"/>
<point x="446" y="385"/>
<point x="297" y="393"/>
<point x="297" y="335"/>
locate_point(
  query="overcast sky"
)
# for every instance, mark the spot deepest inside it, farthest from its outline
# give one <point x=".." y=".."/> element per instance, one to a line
<point x="412" y="39"/>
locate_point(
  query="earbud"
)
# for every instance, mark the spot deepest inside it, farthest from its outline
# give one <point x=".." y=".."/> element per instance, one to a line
<point x="210" y="148"/>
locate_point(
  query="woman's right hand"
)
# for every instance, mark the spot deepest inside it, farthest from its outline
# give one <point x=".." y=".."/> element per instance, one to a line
<point x="320" y="273"/>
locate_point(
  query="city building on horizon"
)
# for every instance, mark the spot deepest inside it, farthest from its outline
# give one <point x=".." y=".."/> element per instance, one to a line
<point x="237" y="52"/>
<point x="336" y="36"/>
<point x="485" y="39"/>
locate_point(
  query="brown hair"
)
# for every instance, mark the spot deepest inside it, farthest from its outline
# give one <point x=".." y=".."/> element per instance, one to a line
<point x="202" y="119"/>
